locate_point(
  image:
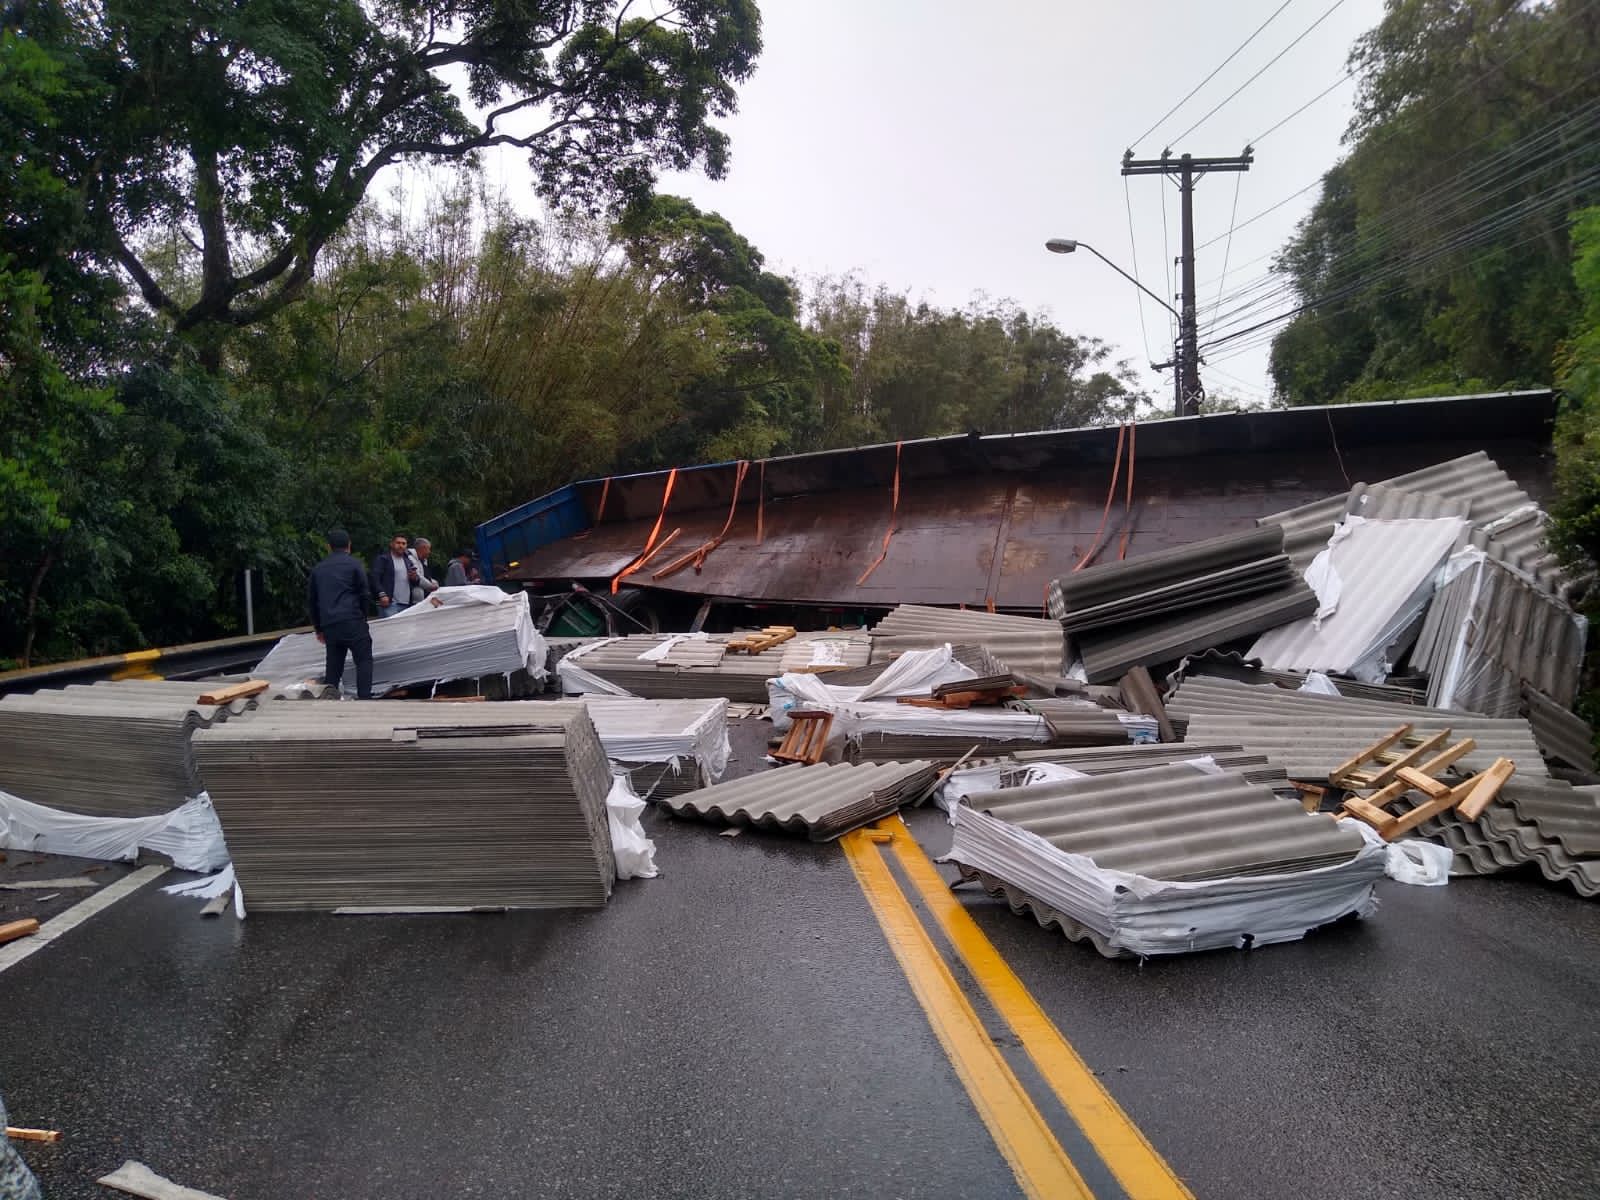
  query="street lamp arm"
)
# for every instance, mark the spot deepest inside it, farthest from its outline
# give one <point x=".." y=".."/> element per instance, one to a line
<point x="1129" y="278"/>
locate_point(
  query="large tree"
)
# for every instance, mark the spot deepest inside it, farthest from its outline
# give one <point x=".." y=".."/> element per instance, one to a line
<point x="255" y="130"/>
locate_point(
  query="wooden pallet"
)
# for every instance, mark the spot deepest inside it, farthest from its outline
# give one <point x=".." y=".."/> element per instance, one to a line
<point x="1378" y="764"/>
<point x="1469" y="797"/>
<point x="756" y="643"/>
<point x="806" y="738"/>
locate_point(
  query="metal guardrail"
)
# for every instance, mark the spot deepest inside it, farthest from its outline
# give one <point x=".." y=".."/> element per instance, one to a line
<point x="190" y="661"/>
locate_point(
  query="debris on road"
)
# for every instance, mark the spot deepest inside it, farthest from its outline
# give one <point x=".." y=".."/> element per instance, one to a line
<point x="136" y="1179"/>
<point x="12" y="930"/>
<point x="18" y="1134"/>
<point x="824" y="801"/>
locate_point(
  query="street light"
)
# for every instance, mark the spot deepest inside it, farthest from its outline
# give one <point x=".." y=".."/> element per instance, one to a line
<point x="1068" y="245"/>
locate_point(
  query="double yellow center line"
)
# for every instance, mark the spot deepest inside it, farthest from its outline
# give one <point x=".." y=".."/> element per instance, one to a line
<point x="1042" y="1167"/>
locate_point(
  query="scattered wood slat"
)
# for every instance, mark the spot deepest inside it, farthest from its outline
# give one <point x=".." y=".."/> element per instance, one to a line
<point x="12" y="930"/>
<point x="20" y="1134"/>
<point x="236" y="691"/>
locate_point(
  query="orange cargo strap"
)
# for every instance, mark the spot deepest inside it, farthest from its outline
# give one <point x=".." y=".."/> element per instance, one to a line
<point x="761" y="504"/>
<point x="1127" y="504"/>
<point x="650" y="545"/>
<point x="697" y="556"/>
<point x="600" y="514"/>
<point x="894" y="517"/>
<point x="1111" y="495"/>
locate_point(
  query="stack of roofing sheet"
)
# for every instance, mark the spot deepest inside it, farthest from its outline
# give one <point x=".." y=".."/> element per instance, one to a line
<point x="825" y="800"/>
<point x="1111" y="760"/>
<point x="1546" y="822"/>
<point x="665" y="746"/>
<point x="1504" y="519"/>
<point x="1310" y="735"/>
<point x="1234" y="665"/>
<point x="1028" y="644"/>
<point x="1229" y="567"/>
<point x="664" y="666"/>
<point x="1564" y="738"/>
<point x="1489" y="630"/>
<point x="458" y="641"/>
<point x="1082" y="722"/>
<point x="890" y="732"/>
<point x="114" y="749"/>
<point x="1165" y="860"/>
<point x="384" y="805"/>
<point x="1373" y="583"/>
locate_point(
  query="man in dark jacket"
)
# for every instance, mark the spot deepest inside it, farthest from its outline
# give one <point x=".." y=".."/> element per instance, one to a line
<point x="394" y="574"/>
<point x="338" y="596"/>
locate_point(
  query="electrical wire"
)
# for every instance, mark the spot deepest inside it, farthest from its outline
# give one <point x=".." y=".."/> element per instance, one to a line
<point x="1337" y="4"/>
<point x="1503" y="171"/>
<point x="1238" y="179"/>
<point x="1261" y="137"/>
<point x="1133" y="253"/>
<point x="1164" y="116"/>
<point x="1387" y="130"/>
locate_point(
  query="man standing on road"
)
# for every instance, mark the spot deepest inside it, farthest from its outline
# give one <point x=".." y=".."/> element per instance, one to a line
<point x="393" y="576"/>
<point x="338" y="595"/>
<point x="426" y="585"/>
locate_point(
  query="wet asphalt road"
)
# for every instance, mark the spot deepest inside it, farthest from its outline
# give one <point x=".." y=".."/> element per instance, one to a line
<point x="739" y="1028"/>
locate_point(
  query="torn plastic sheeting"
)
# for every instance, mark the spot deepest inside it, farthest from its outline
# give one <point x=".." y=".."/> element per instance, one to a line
<point x="190" y="835"/>
<point x="1318" y="684"/>
<point x="1411" y="860"/>
<point x="634" y="852"/>
<point x="658" y="653"/>
<point x="704" y="740"/>
<point x="448" y="597"/>
<point x="208" y="888"/>
<point x="576" y="680"/>
<point x="914" y="673"/>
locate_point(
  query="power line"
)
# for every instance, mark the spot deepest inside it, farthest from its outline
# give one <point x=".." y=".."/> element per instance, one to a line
<point x="1133" y="253"/>
<point x="1387" y="130"/>
<point x="1303" y="35"/>
<point x="1482" y="180"/>
<point x="1500" y="173"/>
<point x="1238" y="180"/>
<point x="1163" y="118"/>
<point x="1260" y="137"/>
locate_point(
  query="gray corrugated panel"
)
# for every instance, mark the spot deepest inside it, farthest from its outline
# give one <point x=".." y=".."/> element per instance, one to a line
<point x="942" y="749"/>
<point x="1563" y="736"/>
<point x="1546" y="823"/>
<point x="1385" y="568"/>
<point x="1311" y="735"/>
<point x="825" y="800"/>
<point x="1472" y="478"/>
<point x="1174" y="823"/>
<point x="695" y="654"/>
<point x="1107" y="654"/>
<point x="1111" y="760"/>
<point x="1518" y="539"/>
<point x="462" y="641"/>
<point x="1491" y="630"/>
<point x="1232" y="583"/>
<point x="1383" y="502"/>
<point x="822" y="650"/>
<point x="115" y="749"/>
<point x="1087" y="598"/>
<point x="740" y="677"/>
<point x="1234" y="665"/>
<point x="1029" y="644"/>
<point x="396" y="805"/>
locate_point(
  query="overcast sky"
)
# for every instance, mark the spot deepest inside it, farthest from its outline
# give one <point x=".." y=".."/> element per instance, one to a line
<point x="933" y="145"/>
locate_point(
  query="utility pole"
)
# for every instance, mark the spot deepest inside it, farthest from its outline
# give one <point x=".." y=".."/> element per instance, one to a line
<point x="1188" y="169"/>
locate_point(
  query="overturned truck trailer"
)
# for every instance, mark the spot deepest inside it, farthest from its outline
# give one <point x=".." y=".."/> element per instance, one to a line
<point x="983" y="521"/>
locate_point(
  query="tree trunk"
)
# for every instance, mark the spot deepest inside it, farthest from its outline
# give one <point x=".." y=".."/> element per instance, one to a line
<point x="45" y="564"/>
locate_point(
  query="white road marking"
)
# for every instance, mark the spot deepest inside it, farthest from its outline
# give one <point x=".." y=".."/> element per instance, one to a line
<point x="61" y="923"/>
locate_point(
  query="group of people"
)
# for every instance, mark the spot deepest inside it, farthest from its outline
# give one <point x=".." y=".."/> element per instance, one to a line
<point x="341" y="592"/>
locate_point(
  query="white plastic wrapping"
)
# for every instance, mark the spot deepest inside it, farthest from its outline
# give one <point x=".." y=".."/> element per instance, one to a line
<point x="190" y="835"/>
<point x="1143" y="916"/>
<point x="659" y="653"/>
<point x="703" y="740"/>
<point x="914" y="673"/>
<point x="635" y="853"/>
<point x="576" y="681"/>
<point x="1410" y="860"/>
<point x="1318" y="684"/>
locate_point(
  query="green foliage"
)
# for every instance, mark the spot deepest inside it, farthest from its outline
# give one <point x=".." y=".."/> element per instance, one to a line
<point x="1429" y="264"/>
<point x="1576" y="530"/>
<point x="256" y="129"/>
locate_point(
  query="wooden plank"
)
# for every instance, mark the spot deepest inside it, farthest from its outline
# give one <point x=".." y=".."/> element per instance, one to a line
<point x="1408" y="822"/>
<point x="1425" y="784"/>
<point x="1438" y="763"/>
<point x="1370" y="813"/>
<point x="12" y="930"/>
<point x="1412" y="756"/>
<point x="1371" y="751"/>
<point x="1485" y="788"/>
<point x="21" y="1134"/>
<point x="235" y="691"/>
